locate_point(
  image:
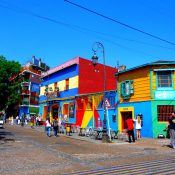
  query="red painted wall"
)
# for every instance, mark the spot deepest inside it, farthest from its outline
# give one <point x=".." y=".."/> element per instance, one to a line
<point x="91" y="78"/>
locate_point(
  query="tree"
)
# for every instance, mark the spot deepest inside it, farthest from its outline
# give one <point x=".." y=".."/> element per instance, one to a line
<point x="9" y="89"/>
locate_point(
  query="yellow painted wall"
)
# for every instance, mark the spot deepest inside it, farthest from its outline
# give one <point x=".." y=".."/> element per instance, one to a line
<point x="73" y="82"/>
<point x="61" y="85"/>
<point x="141" y="79"/>
<point x="42" y="90"/>
<point x="124" y="109"/>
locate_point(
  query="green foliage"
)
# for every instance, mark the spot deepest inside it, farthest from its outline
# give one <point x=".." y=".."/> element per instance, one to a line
<point x="8" y="89"/>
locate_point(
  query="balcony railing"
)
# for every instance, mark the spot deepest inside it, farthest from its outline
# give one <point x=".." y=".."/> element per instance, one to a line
<point x="25" y="103"/>
<point x="25" y="92"/>
<point x="34" y="103"/>
<point x="25" y="81"/>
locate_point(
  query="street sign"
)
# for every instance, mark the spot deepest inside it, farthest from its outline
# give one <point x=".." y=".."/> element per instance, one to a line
<point x="107" y="104"/>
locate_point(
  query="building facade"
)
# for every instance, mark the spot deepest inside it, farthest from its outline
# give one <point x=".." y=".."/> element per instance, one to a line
<point x="30" y="86"/>
<point x="90" y="110"/>
<point x="63" y="86"/>
<point x="149" y="90"/>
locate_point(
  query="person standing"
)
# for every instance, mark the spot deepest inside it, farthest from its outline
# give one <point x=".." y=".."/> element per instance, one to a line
<point x="32" y="121"/>
<point x="48" y="127"/>
<point x="130" y="128"/>
<point x="171" y="128"/>
<point x="138" y="126"/>
<point x="22" y="119"/>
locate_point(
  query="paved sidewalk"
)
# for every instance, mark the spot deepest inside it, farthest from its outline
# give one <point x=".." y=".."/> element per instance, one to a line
<point x="147" y="144"/>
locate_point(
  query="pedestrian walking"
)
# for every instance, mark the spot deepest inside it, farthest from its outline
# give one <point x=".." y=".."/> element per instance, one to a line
<point x="48" y="127"/>
<point x="171" y="128"/>
<point x="55" y="127"/>
<point x="32" y="121"/>
<point x="130" y="128"/>
<point x="22" y="119"/>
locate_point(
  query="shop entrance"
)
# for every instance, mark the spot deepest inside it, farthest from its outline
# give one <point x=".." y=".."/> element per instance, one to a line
<point x="55" y="111"/>
<point x="124" y="116"/>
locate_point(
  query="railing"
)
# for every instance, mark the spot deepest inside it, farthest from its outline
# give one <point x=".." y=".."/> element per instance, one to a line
<point x="26" y="92"/>
<point x="25" y="103"/>
<point x="34" y="103"/>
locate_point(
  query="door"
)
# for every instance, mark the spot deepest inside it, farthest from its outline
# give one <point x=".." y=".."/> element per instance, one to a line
<point x="124" y="118"/>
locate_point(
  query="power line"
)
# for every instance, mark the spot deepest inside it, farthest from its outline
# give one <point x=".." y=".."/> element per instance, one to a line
<point x="121" y="23"/>
<point x="74" y="27"/>
<point x="78" y="28"/>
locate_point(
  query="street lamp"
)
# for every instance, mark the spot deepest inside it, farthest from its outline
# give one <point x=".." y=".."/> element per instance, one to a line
<point x="96" y="46"/>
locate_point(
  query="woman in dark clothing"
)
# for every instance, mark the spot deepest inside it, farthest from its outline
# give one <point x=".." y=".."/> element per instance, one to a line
<point x="55" y="127"/>
<point x="171" y="128"/>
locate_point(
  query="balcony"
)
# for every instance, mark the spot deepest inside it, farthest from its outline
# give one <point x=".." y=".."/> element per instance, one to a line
<point x="25" y="92"/>
<point x="25" y="102"/>
<point x="34" y="103"/>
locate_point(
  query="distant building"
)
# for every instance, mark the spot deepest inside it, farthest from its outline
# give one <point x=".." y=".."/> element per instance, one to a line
<point x="64" y="85"/>
<point x="149" y="90"/>
<point x="29" y="78"/>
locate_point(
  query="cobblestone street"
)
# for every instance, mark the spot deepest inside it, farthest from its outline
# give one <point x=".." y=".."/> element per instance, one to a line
<point x="30" y="151"/>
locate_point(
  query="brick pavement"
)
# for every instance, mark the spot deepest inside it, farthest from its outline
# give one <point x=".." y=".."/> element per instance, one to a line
<point x="76" y="152"/>
<point x="147" y="143"/>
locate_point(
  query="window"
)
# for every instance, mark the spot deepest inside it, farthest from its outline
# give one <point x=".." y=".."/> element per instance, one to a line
<point x="67" y="84"/>
<point x="164" y="112"/>
<point x="55" y="87"/>
<point x="127" y="89"/>
<point x="164" y="79"/>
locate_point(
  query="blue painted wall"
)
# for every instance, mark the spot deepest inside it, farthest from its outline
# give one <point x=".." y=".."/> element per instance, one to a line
<point x="61" y="75"/>
<point x="146" y="110"/>
<point x="23" y="109"/>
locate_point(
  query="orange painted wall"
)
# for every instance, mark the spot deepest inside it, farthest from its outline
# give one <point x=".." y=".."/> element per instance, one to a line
<point x="141" y="79"/>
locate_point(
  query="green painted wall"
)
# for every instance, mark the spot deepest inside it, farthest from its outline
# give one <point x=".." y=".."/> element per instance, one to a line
<point x="158" y="127"/>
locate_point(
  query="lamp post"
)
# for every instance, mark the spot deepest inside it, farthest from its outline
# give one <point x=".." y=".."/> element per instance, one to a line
<point x="96" y="46"/>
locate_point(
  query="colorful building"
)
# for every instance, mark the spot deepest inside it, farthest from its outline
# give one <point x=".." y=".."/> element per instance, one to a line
<point x="64" y="85"/>
<point x="149" y="90"/>
<point x="90" y="110"/>
<point x="30" y="86"/>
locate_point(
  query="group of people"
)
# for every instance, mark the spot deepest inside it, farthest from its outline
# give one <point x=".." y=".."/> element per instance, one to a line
<point x="130" y="127"/>
<point x="138" y="126"/>
<point x="49" y="125"/>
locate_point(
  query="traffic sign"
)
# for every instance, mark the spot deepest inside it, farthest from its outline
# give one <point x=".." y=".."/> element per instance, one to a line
<point x="107" y="104"/>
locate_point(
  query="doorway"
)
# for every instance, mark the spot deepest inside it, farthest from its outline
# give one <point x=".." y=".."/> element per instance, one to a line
<point x="124" y="116"/>
<point x="55" y="110"/>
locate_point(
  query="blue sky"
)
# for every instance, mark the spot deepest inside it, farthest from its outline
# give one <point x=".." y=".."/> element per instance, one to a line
<point x="26" y="31"/>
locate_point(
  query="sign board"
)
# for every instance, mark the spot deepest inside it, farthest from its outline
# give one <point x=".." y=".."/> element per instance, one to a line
<point x="164" y="95"/>
<point x="107" y="104"/>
